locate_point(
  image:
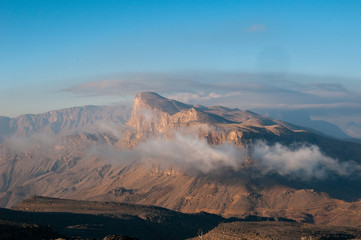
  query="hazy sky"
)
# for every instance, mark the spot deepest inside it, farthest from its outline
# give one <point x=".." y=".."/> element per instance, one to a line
<point x="292" y="54"/>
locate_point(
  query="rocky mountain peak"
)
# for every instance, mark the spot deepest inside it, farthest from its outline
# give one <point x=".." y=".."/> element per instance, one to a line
<point x="152" y="100"/>
<point x="153" y="113"/>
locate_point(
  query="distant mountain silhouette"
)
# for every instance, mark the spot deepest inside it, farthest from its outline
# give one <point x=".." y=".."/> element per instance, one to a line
<point x="302" y="118"/>
<point x="65" y="121"/>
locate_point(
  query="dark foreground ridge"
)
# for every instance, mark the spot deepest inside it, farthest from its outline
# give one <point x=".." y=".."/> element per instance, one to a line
<point x="51" y="218"/>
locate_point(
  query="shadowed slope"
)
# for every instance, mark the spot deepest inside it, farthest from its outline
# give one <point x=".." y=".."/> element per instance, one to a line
<point x="96" y="220"/>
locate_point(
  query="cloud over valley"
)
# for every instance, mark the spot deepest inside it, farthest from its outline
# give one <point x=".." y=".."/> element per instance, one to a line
<point x="188" y="152"/>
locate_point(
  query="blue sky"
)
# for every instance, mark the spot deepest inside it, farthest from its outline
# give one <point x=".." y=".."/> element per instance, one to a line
<point x="48" y="48"/>
<point x="54" y="41"/>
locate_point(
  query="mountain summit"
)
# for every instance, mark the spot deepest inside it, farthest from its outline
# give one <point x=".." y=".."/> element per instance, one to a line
<point x="152" y="100"/>
<point x="153" y="114"/>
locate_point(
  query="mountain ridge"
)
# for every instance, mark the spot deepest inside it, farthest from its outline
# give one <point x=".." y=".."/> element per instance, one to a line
<point x="62" y="122"/>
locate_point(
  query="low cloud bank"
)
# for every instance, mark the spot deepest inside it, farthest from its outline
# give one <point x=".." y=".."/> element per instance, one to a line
<point x="189" y="153"/>
<point x="303" y="162"/>
<point x="41" y="141"/>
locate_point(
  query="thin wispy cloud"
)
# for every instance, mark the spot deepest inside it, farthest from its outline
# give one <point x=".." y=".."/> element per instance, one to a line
<point x="257" y="28"/>
<point x="131" y="84"/>
<point x="202" y="96"/>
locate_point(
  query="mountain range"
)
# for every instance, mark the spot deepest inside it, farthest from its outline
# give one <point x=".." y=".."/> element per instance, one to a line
<point x="188" y="158"/>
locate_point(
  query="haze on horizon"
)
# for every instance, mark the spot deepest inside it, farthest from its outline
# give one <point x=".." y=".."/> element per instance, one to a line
<point x="297" y="61"/>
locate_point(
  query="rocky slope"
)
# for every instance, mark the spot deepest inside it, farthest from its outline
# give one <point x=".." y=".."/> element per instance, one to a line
<point x="112" y="167"/>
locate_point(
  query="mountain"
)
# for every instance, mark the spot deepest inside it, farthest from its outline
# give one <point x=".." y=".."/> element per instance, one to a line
<point x="153" y="114"/>
<point x="192" y="158"/>
<point x="65" y="121"/>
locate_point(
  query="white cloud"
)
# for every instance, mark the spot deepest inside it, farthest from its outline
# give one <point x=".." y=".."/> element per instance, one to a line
<point x="107" y="127"/>
<point x="189" y="153"/>
<point x="304" y="162"/>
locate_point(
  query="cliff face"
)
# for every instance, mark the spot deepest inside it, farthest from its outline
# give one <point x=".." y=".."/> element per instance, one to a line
<point x="153" y="114"/>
